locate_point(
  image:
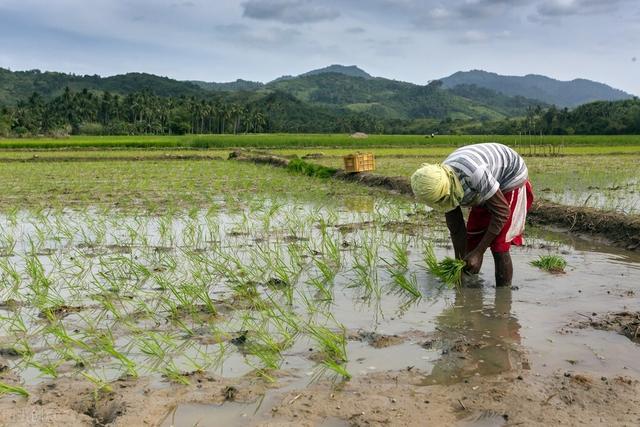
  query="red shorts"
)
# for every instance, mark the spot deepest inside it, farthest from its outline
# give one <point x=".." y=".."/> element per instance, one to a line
<point x="479" y="219"/>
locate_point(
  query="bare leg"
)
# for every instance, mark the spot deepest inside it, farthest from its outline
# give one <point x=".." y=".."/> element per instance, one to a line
<point x="504" y="268"/>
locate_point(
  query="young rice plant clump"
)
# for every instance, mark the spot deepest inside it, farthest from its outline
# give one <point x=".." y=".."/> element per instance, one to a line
<point x="550" y="263"/>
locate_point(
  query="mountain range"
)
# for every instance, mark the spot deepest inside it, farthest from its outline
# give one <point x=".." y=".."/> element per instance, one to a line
<point x="551" y="91"/>
<point x="464" y="95"/>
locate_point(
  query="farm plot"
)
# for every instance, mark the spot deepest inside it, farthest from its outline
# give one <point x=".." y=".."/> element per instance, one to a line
<point x="609" y="182"/>
<point x="129" y="289"/>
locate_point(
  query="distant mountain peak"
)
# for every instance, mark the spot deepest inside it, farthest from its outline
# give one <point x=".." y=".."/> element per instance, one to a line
<point x="535" y="86"/>
<point x="348" y="70"/>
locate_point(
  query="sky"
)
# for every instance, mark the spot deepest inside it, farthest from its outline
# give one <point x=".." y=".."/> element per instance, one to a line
<point x="260" y="40"/>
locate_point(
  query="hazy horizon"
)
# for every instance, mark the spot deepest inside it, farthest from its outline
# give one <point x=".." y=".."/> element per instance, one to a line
<point x="261" y="40"/>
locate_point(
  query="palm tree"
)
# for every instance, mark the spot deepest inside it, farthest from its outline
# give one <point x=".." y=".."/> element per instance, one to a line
<point x="223" y="113"/>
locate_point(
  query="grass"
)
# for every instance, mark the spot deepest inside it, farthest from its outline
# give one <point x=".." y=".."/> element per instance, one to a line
<point x="550" y="263"/>
<point x="308" y="140"/>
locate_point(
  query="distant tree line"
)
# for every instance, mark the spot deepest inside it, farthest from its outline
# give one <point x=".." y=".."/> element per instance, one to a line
<point x="595" y="118"/>
<point x="143" y="113"/>
<point x="87" y="112"/>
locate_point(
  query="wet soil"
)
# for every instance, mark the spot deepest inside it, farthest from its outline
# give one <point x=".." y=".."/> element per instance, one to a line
<point x="384" y="398"/>
<point x="375" y="339"/>
<point x="625" y="323"/>
<point x="397" y="398"/>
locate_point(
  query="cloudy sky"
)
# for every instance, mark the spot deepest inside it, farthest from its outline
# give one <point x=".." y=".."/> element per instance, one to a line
<point x="411" y="40"/>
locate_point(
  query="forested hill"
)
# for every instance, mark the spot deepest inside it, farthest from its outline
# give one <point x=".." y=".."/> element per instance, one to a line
<point x="403" y="108"/>
<point x="560" y="93"/>
<point x="349" y="70"/>
<point x="238" y="85"/>
<point x="392" y="99"/>
<point x="338" y="88"/>
<point x="335" y="94"/>
<point x="19" y="85"/>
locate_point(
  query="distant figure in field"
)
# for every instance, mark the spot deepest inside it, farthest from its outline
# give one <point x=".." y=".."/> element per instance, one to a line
<point x="492" y="179"/>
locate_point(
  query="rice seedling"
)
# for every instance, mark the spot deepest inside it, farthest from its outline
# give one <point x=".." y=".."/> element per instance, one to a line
<point x="7" y="244"/>
<point x="400" y="253"/>
<point x="324" y="283"/>
<point x="448" y="270"/>
<point x="12" y="389"/>
<point x="407" y="284"/>
<point x="174" y="374"/>
<point x="332" y="347"/>
<point x="10" y="278"/>
<point x="106" y="343"/>
<point x="365" y="265"/>
<point x="100" y="385"/>
<point x="551" y="263"/>
<point x="48" y="368"/>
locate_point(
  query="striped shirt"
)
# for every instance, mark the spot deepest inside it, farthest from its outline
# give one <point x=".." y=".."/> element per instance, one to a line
<point x="485" y="168"/>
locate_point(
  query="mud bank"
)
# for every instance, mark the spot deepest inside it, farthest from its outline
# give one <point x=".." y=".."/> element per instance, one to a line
<point x="384" y="398"/>
<point x="622" y="230"/>
<point x="619" y="229"/>
<point x="397" y="398"/>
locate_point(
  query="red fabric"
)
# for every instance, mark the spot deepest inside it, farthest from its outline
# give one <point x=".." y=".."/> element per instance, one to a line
<point x="479" y="219"/>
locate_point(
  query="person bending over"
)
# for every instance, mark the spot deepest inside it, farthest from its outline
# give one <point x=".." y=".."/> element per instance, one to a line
<point x="493" y="180"/>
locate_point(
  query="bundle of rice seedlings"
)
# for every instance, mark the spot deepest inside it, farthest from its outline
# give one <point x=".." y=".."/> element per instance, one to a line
<point x="550" y="263"/>
<point x="449" y="270"/>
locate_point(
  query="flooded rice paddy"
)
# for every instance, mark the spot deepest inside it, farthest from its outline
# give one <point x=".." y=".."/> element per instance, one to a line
<point x="292" y="294"/>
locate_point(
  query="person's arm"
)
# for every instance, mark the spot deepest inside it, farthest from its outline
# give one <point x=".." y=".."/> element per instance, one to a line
<point x="458" y="231"/>
<point x="498" y="207"/>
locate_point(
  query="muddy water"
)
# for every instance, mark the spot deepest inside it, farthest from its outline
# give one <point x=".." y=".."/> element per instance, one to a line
<point x="623" y="200"/>
<point x="481" y="330"/>
<point x="229" y="414"/>
<point x="449" y="335"/>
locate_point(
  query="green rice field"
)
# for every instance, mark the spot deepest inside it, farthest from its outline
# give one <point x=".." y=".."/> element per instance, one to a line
<point x="309" y="140"/>
<point x="131" y="276"/>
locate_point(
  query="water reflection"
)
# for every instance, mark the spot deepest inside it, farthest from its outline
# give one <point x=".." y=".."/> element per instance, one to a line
<point x="479" y="336"/>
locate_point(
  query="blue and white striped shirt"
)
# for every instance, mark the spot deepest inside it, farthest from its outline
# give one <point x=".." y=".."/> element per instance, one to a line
<point x="485" y="168"/>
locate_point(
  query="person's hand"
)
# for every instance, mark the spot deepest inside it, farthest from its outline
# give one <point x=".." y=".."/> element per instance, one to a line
<point x="474" y="261"/>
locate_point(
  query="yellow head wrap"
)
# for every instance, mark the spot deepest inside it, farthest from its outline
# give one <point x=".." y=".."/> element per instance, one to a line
<point x="438" y="186"/>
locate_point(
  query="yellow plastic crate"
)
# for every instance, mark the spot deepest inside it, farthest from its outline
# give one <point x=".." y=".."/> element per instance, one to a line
<point x="359" y="162"/>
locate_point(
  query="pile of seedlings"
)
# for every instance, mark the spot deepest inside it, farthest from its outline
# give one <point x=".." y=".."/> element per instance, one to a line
<point x="551" y="263"/>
